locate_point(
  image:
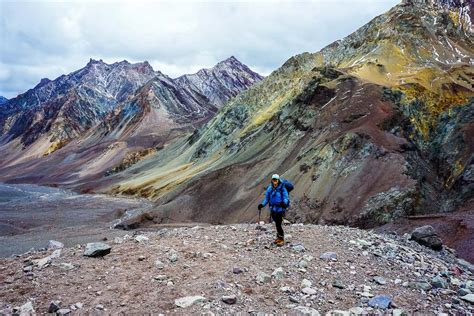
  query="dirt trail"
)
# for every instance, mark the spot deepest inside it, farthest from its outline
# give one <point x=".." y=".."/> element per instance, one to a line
<point x="238" y="263"/>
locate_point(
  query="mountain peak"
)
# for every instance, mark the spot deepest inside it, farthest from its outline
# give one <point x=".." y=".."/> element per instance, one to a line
<point x="3" y="100"/>
<point x="230" y="61"/>
<point x="94" y="62"/>
<point x="42" y="82"/>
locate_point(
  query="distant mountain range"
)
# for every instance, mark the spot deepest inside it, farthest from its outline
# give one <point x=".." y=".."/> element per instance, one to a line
<point x="101" y="104"/>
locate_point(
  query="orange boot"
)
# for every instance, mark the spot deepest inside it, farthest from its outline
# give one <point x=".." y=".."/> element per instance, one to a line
<point x="280" y="242"/>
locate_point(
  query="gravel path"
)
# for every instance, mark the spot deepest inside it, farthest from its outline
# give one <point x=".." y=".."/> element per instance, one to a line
<point x="201" y="267"/>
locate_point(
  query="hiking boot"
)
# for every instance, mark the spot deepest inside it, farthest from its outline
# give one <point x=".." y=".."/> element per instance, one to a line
<point x="280" y="242"/>
<point x="276" y="240"/>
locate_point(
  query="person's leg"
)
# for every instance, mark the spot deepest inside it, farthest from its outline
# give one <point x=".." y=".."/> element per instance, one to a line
<point x="278" y="223"/>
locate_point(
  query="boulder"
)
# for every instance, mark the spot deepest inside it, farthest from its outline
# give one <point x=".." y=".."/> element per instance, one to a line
<point x="380" y="301"/>
<point x="426" y="236"/>
<point x="53" y="244"/>
<point x="97" y="249"/>
<point x="41" y="263"/>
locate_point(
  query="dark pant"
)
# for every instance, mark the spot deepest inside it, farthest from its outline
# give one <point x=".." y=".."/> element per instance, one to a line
<point x="278" y="218"/>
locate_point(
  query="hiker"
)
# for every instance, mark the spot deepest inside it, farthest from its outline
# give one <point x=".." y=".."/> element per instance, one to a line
<point x="276" y="197"/>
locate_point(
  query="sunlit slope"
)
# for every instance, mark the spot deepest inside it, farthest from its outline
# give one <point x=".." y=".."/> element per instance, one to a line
<point x="356" y="126"/>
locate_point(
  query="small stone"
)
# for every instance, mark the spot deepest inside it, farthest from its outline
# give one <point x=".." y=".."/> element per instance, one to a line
<point x="294" y="299"/>
<point x="438" y="282"/>
<point x="306" y="283"/>
<point x="63" y="311"/>
<point x="398" y="312"/>
<point x="56" y="254"/>
<point x="278" y="273"/>
<point x="328" y="256"/>
<point x="380" y="301"/>
<point x="237" y="270"/>
<point x="173" y="256"/>
<point x="462" y="292"/>
<point x="161" y="277"/>
<point x="229" y="299"/>
<point x="141" y="239"/>
<point x="79" y="305"/>
<point x="356" y="311"/>
<point x="308" y="291"/>
<point x="54" y="306"/>
<point x="298" y="248"/>
<point x="118" y="240"/>
<point x="421" y="285"/>
<point x="379" y="280"/>
<point x="303" y="264"/>
<point x="308" y="258"/>
<point x="100" y="307"/>
<point x="188" y="301"/>
<point x="262" y="278"/>
<point x="66" y="266"/>
<point x="159" y="265"/>
<point x="42" y="263"/>
<point x="27" y="308"/>
<point x="141" y="258"/>
<point x="366" y="294"/>
<point x="305" y="310"/>
<point x="286" y="289"/>
<point x="338" y="284"/>
<point x="96" y="249"/>
<point x="53" y="244"/>
<point x="468" y="298"/>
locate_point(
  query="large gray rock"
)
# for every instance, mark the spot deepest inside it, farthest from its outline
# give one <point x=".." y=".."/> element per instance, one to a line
<point x="97" y="249"/>
<point x="426" y="236"/>
<point x="53" y="244"/>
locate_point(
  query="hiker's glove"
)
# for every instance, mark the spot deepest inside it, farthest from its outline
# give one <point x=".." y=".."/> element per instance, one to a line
<point x="260" y="206"/>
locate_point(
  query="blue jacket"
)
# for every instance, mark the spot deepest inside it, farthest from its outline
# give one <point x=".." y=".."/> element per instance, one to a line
<point x="273" y="196"/>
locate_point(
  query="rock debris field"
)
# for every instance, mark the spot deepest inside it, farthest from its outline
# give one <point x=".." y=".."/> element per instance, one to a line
<point x="227" y="269"/>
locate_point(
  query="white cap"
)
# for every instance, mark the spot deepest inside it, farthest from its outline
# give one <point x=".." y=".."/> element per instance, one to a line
<point x="275" y="176"/>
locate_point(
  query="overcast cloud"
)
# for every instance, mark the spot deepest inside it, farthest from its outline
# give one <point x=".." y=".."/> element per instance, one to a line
<point x="48" y="38"/>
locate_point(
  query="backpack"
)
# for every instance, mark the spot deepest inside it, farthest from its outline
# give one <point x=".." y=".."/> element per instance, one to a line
<point x="289" y="187"/>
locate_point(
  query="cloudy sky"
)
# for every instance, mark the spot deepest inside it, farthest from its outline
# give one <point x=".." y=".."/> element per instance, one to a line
<point x="48" y="38"/>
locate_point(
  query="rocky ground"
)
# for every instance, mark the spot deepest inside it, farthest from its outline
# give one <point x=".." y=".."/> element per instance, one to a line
<point x="230" y="269"/>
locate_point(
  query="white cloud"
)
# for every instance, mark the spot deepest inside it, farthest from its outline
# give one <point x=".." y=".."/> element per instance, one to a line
<point x="49" y="38"/>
